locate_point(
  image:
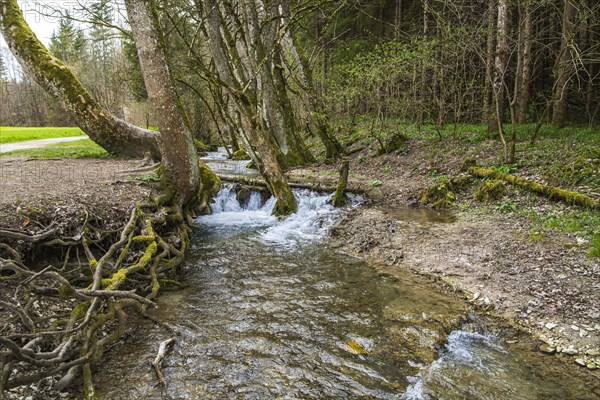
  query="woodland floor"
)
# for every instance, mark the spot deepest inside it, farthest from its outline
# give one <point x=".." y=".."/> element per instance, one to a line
<point x="35" y="193"/>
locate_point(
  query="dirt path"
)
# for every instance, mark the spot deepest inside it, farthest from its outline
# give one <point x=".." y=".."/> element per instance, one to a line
<point x="32" y="144"/>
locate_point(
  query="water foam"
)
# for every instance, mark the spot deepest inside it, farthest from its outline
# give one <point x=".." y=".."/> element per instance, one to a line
<point x="312" y="220"/>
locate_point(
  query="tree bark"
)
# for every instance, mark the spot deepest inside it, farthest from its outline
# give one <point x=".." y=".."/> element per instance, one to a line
<point x="181" y="174"/>
<point x="489" y="65"/>
<point x="312" y="102"/>
<point x="234" y="69"/>
<point x="500" y="64"/>
<point x="526" y="61"/>
<point x="563" y="67"/>
<point x="111" y="133"/>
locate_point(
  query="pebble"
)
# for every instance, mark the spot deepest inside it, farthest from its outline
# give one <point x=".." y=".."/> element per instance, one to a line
<point x="580" y="361"/>
<point x="592" y="366"/>
<point x="570" y="351"/>
<point x="592" y="352"/>
<point x="551" y="325"/>
<point x="547" y="349"/>
<point x="575" y="327"/>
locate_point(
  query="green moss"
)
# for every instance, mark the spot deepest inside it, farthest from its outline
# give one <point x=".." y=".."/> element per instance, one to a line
<point x="65" y="291"/>
<point x="79" y="310"/>
<point x="395" y="144"/>
<point x="595" y="247"/>
<point x="143" y="238"/>
<point x="241" y="154"/>
<point x="122" y="254"/>
<point x="439" y="195"/>
<point x="201" y="147"/>
<point x="554" y="193"/>
<point x="211" y="183"/>
<point x="148" y="254"/>
<point x="115" y="280"/>
<point x="490" y="190"/>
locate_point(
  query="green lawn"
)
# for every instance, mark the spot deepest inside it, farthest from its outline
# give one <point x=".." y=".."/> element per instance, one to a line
<point x="11" y="134"/>
<point x="76" y="149"/>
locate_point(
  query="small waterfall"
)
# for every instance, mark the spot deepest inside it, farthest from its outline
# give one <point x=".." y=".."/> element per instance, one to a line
<point x="314" y="216"/>
<point x="220" y="154"/>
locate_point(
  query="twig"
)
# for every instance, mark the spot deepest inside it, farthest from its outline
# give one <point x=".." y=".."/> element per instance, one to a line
<point x="162" y="351"/>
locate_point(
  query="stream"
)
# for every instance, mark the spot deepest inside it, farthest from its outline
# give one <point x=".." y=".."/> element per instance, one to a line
<point x="269" y="311"/>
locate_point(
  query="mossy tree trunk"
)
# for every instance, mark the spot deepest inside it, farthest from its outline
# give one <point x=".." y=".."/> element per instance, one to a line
<point x="111" y="133"/>
<point x="302" y="74"/>
<point x="181" y="174"/>
<point x="553" y="193"/>
<point x="339" y="198"/>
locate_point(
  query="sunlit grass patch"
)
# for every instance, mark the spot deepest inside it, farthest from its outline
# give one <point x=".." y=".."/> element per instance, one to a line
<point x="76" y="149"/>
<point x="12" y="134"/>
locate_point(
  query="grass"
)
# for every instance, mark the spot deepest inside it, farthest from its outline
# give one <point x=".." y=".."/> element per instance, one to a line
<point x="76" y="149"/>
<point x="11" y="134"/>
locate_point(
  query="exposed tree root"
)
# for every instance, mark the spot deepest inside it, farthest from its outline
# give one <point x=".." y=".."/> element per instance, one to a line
<point x="58" y="320"/>
<point x="553" y="193"/>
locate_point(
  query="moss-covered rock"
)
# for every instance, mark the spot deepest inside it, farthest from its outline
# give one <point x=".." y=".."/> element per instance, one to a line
<point x="468" y="163"/>
<point x="396" y="143"/>
<point x="490" y="190"/>
<point x="240" y="155"/>
<point x="201" y="147"/>
<point x="439" y="195"/>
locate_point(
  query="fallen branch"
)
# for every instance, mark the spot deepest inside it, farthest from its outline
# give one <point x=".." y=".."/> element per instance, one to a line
<point x="317" y="186"/>
<point x="552" y="192"/>
<point x="162" y="351"/>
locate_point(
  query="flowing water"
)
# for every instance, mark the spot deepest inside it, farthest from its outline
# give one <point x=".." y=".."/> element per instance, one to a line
<point x="270" y="312"/>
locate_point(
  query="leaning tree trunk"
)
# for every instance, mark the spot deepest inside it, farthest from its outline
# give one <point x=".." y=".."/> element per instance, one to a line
<point x="113" y="134"/>
<point x="233" y="70"/>
<point x="314" y="105"/>
<point x="563" y="66"/>
<point x="181" y="173"/>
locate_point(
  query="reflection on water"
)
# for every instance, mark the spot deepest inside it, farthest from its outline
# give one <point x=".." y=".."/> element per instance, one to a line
<point x="269" y="312"/>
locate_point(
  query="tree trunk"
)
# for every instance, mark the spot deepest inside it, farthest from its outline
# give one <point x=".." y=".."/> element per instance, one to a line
<point x="563" y="67"/>
<point x="181" y="174"/>
<point x="489" y="65"/>
<point x="423" y="84"/>
<point x="500" y="64"/>
<point x="314" y="105"/>
<point x="232" y="66"/>
<point x="526" y="61"/>
<point x="339" y="198"/>
<point x="111" y="133"/>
